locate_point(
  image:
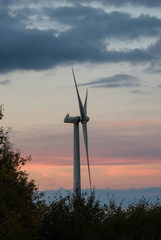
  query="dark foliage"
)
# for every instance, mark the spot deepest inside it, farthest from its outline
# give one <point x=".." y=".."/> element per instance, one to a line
<point x="141" y="220"/>
<point x="82" y="217"/>
<point x="72" y="217"/>
<point x="19" y="201"/>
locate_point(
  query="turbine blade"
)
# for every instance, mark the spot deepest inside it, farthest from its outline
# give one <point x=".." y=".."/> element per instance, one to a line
<point x="84" y="126"/>
<point x="85" y="103"/>
<point x="81" y="108"/>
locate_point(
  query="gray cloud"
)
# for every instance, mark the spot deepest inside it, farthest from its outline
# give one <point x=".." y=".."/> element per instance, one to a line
<point x="136" y="91"/>
<point x="159" y="86"/>
<point x="118" y="3"/>
<point x="118" y="80"/>
<point x="83" y="41"/>
<point x="149" y="3"/>
<point x="141" y="144"/>
<point x="154" y="50"/>
<point x="5" y="82"/>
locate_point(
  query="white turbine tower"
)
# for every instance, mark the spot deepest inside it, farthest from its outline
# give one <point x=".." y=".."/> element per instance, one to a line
<point x="83" y="118"/>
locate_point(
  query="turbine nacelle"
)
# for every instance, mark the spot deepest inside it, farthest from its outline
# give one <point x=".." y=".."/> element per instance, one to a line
<point x="69" y="119"/>
<point x="75" y="119"/>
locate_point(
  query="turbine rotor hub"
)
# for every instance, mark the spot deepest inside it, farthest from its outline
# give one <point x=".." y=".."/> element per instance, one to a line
<point x="85" y="119"/>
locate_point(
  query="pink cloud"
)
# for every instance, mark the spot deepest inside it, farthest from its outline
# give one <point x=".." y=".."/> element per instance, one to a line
<point x="115" y="143"/>
<point x="111" y="176"/>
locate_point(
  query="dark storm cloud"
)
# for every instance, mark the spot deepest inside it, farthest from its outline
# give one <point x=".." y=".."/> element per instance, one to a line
<point x="5" y="82"/>
<point x="95" y="23"/>
<point x="119" y="80"/>
<point x="86" y="40"/>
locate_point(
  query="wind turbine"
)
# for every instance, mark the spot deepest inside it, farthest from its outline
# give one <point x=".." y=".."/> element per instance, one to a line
<point x="83" y="118"/>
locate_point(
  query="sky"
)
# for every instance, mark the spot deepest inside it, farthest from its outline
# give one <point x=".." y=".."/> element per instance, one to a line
<point x="115" y="49"/>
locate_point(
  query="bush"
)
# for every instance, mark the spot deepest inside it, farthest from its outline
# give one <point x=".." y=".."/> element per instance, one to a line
<point x="72" y="217"/>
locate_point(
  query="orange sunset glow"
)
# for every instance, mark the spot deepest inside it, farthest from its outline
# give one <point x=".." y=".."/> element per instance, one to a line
<point x="109" y="176"/>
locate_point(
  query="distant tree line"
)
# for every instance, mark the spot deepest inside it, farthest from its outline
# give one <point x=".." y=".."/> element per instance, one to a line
<point x="24" y="215"/>
<point x="1" y="112"/>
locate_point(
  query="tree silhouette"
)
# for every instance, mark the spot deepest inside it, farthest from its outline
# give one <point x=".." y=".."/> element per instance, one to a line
<point x="19" y="200"/>
<point x="1" y="112"/>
